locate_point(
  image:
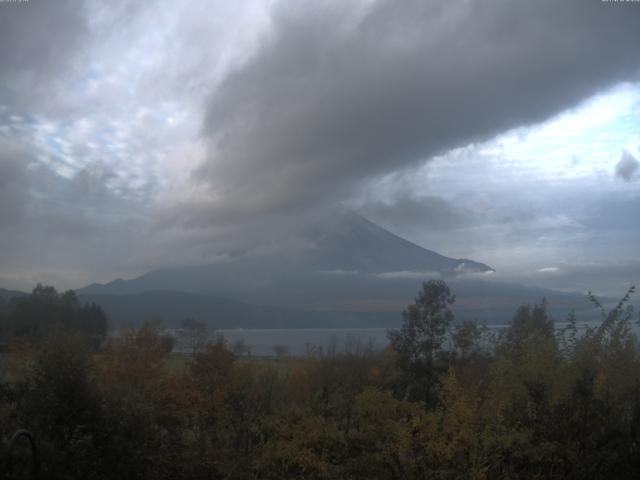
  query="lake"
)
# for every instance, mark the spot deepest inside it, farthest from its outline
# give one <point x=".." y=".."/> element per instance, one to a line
<point x="268" y="342"/>
<point x="299" y="341"/>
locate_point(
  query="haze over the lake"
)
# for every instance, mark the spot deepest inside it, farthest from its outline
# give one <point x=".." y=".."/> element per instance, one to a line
<point x="137" y="135"/>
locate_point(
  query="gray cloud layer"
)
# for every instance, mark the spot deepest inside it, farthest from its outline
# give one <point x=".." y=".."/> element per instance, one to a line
<point x="39" y="40"/>
<point x="334" y="98"/>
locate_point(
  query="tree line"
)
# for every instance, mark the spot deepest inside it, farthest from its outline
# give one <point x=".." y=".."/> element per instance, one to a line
<point x="445" y="400"/>
<point x="31" y="318"/>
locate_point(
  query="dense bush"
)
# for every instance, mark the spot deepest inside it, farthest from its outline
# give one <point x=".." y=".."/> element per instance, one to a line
<point x="443" y="401"/>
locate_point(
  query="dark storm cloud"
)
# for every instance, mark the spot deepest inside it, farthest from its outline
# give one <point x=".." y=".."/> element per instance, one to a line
<point x="627" y="166"/>
<point x="335" y="97"/>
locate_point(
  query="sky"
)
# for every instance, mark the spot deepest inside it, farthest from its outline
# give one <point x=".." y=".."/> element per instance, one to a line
<point x="137" y="135"/>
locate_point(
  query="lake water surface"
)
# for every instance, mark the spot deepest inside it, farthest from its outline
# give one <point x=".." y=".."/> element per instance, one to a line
<point x="267" y="342"/>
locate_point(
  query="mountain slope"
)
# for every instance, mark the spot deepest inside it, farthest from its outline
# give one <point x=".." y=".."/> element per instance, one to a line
<point x="350" y="242"/>
<point x="335" y="260"/>
<point x="344" y="271"/>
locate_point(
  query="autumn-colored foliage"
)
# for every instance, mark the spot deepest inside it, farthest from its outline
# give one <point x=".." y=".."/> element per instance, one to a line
<point x="444" y="401"/>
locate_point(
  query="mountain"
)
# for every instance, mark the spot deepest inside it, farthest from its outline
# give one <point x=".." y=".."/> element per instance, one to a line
<point x="341" y="271"/>
<point x="335" y="260"/>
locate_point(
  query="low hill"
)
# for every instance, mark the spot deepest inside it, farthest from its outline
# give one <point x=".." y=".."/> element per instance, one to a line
<point x="172" y="307"/>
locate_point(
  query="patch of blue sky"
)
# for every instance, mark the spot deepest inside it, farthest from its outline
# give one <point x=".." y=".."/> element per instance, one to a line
<point x="597" y="132"/>
<point x="54" y="145"/>
<point x="587" y="140"/>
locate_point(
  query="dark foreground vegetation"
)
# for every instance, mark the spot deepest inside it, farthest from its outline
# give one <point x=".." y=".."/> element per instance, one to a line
<point x="443" y="401"/>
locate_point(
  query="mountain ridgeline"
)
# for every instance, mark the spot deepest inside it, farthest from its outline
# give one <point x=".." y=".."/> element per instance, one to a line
<point x="343" y="271"/>
<point x="344" y="246"/>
